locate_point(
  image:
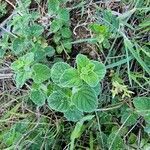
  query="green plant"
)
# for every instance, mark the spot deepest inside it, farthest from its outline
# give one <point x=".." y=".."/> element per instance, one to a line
<point x="60" y="26"/>
<point x="73" y="90"/>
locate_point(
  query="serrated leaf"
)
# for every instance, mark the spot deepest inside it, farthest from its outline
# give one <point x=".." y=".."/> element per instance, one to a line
<point x="142" y="105"/>
<point x="73" y="114"/>
<point x="85" y="99"/>
<point x="57" y="70"/>
<point x="19" y="46"/>
<point x="38" y="97"/>
<point x="99" y="69"/>
<point x="53" y="6"/>
<point x="41" y="73"/>
<point x="70" y="78"/>
<point x="35" y="30"/>
<point x="59" y="101"/>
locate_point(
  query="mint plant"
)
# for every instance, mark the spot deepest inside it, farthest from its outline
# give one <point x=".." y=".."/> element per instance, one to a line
<point x="70" y="90"/>
<point x="77" y="92"/>
<point x="60" y="26"/>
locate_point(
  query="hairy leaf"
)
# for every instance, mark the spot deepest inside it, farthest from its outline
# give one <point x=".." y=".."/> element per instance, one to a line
<point x="85" y="99"/>
<point x="38" y="97"/>
<point x="57" y="70"/>
<point x="41" y="73"/>
<point x="59" y="101"/>
<point x="70" y="78"/>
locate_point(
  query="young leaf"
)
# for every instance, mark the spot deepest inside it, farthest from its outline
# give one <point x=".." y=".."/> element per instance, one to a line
<point x="59" y="101"/>
<point x="73" y="114"/>
<point x="99" y="69"/>
<point x="38" y="97"/>
<point x="57" y="70"/>
<point x="23" y="62"/>
<point x="70" y="78"/>
<point x="41" y="73"/>
<point x="91" y="78"/>
<point x="82" y="61"/>
<point x="85" y="99"/>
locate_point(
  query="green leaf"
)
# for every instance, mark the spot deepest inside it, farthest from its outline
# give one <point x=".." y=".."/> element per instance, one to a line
<point x="85" y="99"/>
<point x="73" y="114"/>
<point x="82" y="61"/>
<point x="66" y="32"/>
<point x="97" y="89"/>
<point x="50" y="51"/>
<point x="41" y="73"/>
<point x="67" y="45"/>
<point x="55" y="25"/>
<point x="22" y="77"/>
<point x="38" y="97"/>
<point x="91" y="78"/>
<point x="57" y="70"/>
<point x="53" y="6"/>
<point x="99" y="29"/>
<point x="64" y="15"/>
<point x="70" y="78"/>
<point x="35" y="30"/>
<point x="56" y="37"/>
<point x="23" y="62"/>
<point x="59" y="101"/>
<point x="142" y="105"/>
<point x="19" y="46"/>
<point x="99" y="69"/>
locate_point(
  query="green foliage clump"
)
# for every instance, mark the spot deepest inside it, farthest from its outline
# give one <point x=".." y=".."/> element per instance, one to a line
<point x="73" y="90"/>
